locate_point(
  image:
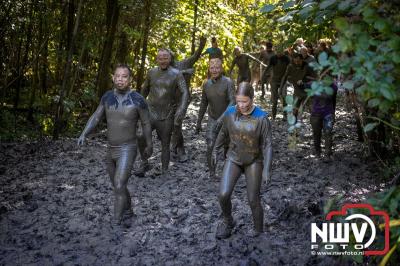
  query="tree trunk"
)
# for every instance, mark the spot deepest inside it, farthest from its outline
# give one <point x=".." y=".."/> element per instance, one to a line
<point x="21" y="68"/>
<point x="102" y="80"/>
<point x="77" y="69"/>
<point x="123" y="49"/>
<point x="196" y="3"/>
<point x="146" y="31"/>
<point x="58" y="119"/>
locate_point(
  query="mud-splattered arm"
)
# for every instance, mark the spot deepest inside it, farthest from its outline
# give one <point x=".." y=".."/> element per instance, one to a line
<point x="93" y="121"/>
<point x="266" y="146"/>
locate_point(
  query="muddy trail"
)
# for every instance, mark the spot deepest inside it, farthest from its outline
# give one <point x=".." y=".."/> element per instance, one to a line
<point x="56" y="203"/>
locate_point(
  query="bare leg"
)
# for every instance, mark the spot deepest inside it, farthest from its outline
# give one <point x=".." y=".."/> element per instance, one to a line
<point x="253" y="174"/>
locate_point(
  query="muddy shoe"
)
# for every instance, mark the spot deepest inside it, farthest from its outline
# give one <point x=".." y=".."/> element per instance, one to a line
<point x="224" y="230"/>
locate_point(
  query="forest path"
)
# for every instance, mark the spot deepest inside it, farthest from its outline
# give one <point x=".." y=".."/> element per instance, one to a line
<point x="57" y="203"/>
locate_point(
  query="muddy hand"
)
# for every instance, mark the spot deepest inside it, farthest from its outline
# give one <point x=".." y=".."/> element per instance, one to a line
<point x="148" y="151"/>
<point x="81" y="140"/>
<point x="178" y="119"/>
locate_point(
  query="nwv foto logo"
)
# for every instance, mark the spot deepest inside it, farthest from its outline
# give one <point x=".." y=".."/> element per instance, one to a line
<point x="336" y="236"/>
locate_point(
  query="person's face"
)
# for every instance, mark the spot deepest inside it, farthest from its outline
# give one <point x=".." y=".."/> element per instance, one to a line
<point x="214" y="44"/>
<point x="122" y="79"/>
<point x="215" y="69"/>
<point x="244" y="103"/>
<point x="163" y="59"/>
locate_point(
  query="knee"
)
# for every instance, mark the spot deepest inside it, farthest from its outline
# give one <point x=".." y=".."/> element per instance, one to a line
<point x="224" y="197"/>
<point x="119" y="187"/>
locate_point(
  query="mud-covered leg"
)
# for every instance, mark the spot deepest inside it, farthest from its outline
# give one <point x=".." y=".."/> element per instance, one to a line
<point x="253" y="174"/>
<point x="210" y="145"/>
<point x="122" y="174"/>
<point x="316" y="124"/>
<point x="230" y="175"/>
<point x="328" y="128"/>
<point x="110" y="166"/>
<point x="164" y="131"/>
<point x="178" y="145"/>
<point x="274" y="99"/>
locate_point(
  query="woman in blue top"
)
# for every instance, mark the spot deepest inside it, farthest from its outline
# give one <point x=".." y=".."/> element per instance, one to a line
<point x="250" y="152"/>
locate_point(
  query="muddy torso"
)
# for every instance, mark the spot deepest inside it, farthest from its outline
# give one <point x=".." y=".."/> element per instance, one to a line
<point x="245" y="135"/>
<point x="163" y="86"/>
<point x="219" y="93"/>
<point x="242" y="61"/>
<point x="279" y="65"/>
<point x="122" y="114"/>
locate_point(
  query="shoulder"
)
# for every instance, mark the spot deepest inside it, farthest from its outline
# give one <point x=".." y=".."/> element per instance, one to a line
<point x="259" y="113"/>
<point x="107" y="95"/>
<point x="226" y="79"/>
<point x="152" y="71"/>
<point x="174" y="71"/>
<point x="138" y="99"/>
<point x="231" y="110"/>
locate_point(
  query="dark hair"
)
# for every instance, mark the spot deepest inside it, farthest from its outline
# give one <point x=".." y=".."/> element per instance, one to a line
<point x="213" y="39"/>
<point x="123" y="66"/>
<point x="245" y="89"/>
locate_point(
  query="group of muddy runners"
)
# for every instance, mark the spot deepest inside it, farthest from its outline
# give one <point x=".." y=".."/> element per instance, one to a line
<point x="238" y="132"/>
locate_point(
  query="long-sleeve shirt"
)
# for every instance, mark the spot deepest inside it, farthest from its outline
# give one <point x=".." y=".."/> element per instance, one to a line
<point x="278" y="65"/>
<point x="217" y="95"/>
<point x="160" y="90"/>
<point x="250" y="136"/>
